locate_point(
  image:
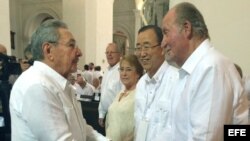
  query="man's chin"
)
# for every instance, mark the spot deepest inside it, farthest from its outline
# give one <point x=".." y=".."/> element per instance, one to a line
<point x="146" y="67"/>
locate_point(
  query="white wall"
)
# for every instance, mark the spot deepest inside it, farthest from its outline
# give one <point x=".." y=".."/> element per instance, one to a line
<point x="26" y="16"/>
<point x="74" y="17"/>
<point x="5" y="25"/>
<point x="92" y="25"/>
<point x="103" y="31"/>
<point x="228" y="22"/>
<point x="99" y="29"/>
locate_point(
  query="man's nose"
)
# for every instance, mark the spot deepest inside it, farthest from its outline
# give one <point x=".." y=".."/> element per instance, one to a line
<point x="79" y="52"/>
<point x="163" y="44"/>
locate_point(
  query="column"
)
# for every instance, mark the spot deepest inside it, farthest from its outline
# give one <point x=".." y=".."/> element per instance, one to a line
<point x="138" y="22"/>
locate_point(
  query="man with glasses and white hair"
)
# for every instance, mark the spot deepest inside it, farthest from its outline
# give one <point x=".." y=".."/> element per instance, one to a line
<point x="152" y="99"/>
<point x="43" y="106"/>
<point x="111" y="84"/>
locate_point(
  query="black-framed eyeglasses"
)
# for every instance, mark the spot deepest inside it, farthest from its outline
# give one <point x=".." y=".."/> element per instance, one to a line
<point x="145" y="47"/>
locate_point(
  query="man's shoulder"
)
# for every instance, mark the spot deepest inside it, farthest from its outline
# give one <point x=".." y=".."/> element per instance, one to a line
<point x="214" y="59"/>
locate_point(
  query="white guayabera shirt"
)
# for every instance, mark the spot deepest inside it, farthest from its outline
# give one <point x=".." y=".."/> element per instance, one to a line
<point x="110" y="87"/>
<point x="43" y="107"/>
<point x="211" y="97"/>
<point x="153" y="103"/>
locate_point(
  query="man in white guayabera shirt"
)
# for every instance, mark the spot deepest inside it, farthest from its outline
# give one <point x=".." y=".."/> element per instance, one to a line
<point x="209" y="93"/>
<point x="152" y="97"/>
<point x="111" y="83"/>
<point x="43" y="106"/>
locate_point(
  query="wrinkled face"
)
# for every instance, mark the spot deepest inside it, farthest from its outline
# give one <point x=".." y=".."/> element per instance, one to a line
<point x="64" y="54"/>
<point x="128" y="74"/>
<point x="112" y="54"/>
<point x="174" y="40"/>
<point x="150" y="53"/>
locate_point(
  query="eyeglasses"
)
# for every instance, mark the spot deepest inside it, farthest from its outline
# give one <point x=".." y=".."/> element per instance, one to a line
<point x="69" y="44"/>
<point x="111" y="52"/>
<point x="145" y="47"/>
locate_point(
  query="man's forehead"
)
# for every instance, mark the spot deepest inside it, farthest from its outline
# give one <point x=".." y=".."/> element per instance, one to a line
<point x="146" y="37"/>
<point x="111" y="47"/>
<point x="66" y="34"/>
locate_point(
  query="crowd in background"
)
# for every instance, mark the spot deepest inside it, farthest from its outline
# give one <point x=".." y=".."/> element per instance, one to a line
<point x="87" y="82"/>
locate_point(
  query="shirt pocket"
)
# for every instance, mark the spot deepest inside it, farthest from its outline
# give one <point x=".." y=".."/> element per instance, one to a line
<point x="162" y="112"/>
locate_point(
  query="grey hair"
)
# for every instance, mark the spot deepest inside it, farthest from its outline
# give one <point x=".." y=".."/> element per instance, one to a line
<point x="187" y="11"/>
<point x="46" y="32"/>
<point x="117" y="48"/>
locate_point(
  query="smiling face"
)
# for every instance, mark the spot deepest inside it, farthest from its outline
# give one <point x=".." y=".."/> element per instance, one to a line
<point x="112" y="54"/>
<point x="128" y="74"/>
<point x="152" y="58"/>
<point x="63" y="55"/>
<point x="175" y="41"/>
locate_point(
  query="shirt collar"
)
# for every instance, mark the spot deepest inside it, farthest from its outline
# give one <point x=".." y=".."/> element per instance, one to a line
<point x="159" y="74"/>
<point x="55" y="76"/>
<point x="116" y="66"/>
<point x="195" y="57"/>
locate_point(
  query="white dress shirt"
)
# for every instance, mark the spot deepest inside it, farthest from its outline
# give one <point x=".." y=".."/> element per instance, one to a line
<point x="246" y="82"/>
<point x="110" y="87"/>
<point x="208" y="95"/>
<point x="153" y="101"/>
<point x="43" y="107"/>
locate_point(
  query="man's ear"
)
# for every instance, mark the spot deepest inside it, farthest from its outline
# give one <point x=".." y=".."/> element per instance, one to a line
<point x="47" y="51"/>
<point x="187" y="28"/>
